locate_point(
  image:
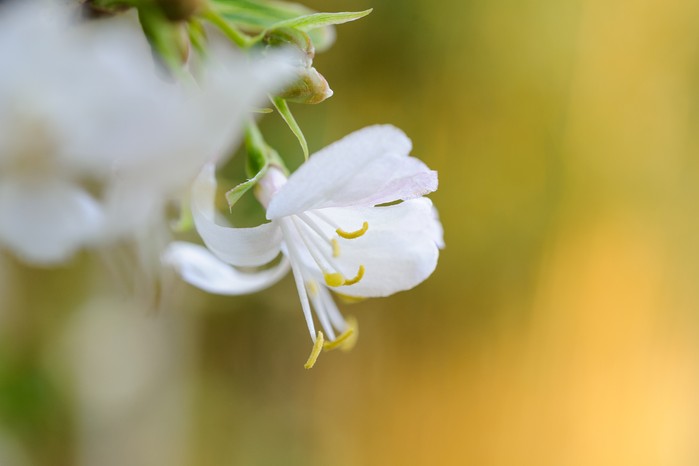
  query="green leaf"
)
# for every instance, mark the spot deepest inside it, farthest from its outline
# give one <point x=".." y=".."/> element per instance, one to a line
<point x="236" y="193"/>
<point x="256" y="16"/>
<point x="224" y="25"/>
<point x="283" y="109"/>
<point x="319" y="20"/>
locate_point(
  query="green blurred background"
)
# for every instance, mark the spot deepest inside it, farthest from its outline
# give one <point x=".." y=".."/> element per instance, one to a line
<point x="560" y="328"/>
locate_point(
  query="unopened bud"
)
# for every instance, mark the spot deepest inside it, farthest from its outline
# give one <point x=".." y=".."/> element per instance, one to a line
<point x="310" y="87"/>
<point x="292" y="38"/>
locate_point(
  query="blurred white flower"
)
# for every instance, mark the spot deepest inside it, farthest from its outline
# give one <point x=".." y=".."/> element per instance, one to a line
<point x="93" y="140"/>
<point x="327" y="221"/>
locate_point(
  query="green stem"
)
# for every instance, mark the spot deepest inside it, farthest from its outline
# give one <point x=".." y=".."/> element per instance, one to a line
<point x="240" y="39"/>
<point x="259" y="152"/>
<point x="163" y="37"/>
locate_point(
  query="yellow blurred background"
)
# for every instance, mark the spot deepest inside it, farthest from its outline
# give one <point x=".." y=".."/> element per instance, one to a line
<point x="560" y="328"/>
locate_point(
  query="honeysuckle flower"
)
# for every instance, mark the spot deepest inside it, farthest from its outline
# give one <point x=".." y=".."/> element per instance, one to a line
<point x="93" y="140"/>
<point x="330" y="221"/>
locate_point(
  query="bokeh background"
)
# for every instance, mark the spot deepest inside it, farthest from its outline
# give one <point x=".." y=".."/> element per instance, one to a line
<point x="560" y="328"/>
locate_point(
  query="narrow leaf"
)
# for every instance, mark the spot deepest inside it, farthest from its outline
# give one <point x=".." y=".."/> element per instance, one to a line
<point x="319" y="20"/>
<point x="225" y="26"/>
<point x="259" y="15"/>
<point x="285" y="112"/>
<point x="256" y="17"/>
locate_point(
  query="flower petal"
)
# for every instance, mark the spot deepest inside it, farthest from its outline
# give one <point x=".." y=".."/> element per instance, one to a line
<point x="244" y="247"/>
<point x="200" y="268"/>
<point x="398" y="251"/>
<point x="368" y="167"/>
<point x="45" y="221"/>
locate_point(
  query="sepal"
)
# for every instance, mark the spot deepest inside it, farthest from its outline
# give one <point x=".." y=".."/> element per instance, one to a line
<point x="236" y="193"/>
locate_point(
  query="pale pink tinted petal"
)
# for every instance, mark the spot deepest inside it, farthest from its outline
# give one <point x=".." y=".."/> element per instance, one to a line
<point x="370" y="166"/>
<point x="399" y="250"/>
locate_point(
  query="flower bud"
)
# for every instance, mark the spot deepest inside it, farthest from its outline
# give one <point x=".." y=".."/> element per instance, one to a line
<point x="294" y="39"/>
<point x="310" y="87"/>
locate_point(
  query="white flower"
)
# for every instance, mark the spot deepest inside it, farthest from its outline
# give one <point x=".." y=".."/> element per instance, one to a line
<point x="93" y="139"/>
<point x="328" y="222"/>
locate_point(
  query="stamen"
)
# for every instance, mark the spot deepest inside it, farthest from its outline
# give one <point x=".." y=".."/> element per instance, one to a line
<point x="319" y="305"/>
<point x="299" y="280"/>
<point x="334" y="244"/>
<point x="316" y="252"/>
<point x="347" y="340"/>
<point x="334" y="279"/>
<point x="352" y="339"/>
<point x="360" y="274"/>
<point x="339" y="341"/>
<point x="309" y="221"/>
<point x="333" y="312"/>
<point x="349" y="299"/>
<point x="326" y="219"/>
<point x="353" y="234"/>
<point x="312" y="286"/>
<point x="317" y="347"/>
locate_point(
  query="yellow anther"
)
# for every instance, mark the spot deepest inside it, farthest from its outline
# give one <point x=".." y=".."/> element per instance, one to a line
<point x="349" y="299"/>
<point x="317" y="346"/>
<point x="352" y="339"/>
<point x="334" y="279"/>
<point x="336" y="247"/>
<point x="360" y="274"/>
<point x="312" y="287"/>
<point x="340" y="341"/>
<point x="353" y="234"/>
<point x="348" y="339"/>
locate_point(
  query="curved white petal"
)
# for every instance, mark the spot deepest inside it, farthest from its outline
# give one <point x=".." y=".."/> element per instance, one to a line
<point x="368" y="167"/>
<point x="399" y="250"/>
<point x="46" y="221"/>
<point x="243" y="247"/>
<point x="200" y="268"/>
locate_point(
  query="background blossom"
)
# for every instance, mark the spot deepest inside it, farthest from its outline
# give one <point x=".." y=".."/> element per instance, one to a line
<point x="94" y="139"/>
